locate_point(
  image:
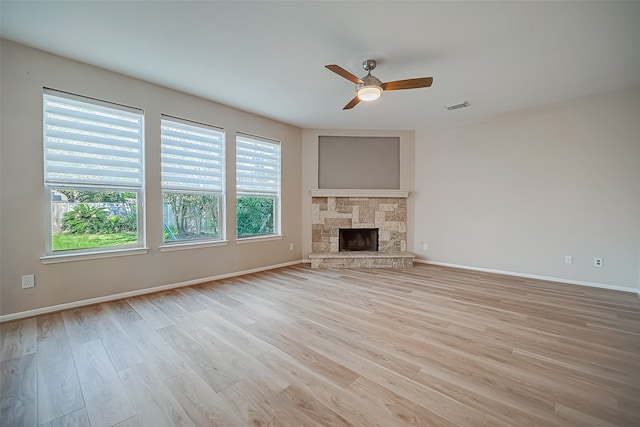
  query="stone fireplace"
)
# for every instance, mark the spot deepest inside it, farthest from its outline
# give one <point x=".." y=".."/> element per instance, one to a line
<point x="383" y="211"/>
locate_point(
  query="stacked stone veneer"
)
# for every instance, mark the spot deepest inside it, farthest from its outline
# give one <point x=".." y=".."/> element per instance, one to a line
<point x="387" y="214"/>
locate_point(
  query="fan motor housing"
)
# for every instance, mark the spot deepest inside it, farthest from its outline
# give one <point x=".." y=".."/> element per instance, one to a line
<point x="369" y="80"/>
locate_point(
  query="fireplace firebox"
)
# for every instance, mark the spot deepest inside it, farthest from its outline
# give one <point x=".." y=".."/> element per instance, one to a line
<point x="358" y="239"/>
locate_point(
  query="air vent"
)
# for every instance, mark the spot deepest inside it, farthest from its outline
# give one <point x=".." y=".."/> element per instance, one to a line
<point x="457" y="105"/>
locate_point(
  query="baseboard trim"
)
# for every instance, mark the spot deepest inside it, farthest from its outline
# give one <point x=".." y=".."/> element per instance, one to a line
<point x="532" y="276"/>
<point x="90" y="301"/>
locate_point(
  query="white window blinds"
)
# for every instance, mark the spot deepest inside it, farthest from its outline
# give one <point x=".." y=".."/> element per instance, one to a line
<point x="90" y="142"/>
<point x="257" y="166"/>
<point x="192" y="156"/>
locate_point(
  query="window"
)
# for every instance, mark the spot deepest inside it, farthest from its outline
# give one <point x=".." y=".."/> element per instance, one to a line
<point x="93" y="174"/>
<point x="257" y="186"/>
<point x="192" y="180"/>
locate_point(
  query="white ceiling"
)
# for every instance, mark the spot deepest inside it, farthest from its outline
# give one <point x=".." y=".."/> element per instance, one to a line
<point x="268" y="57"/>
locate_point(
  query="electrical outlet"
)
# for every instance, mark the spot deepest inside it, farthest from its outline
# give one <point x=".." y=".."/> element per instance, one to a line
<point x="28" y="281"/>
<point x="424" y="246"/>
<point x="568" y="259"/>
<point x="290" y="246"/>
<point x="598" y="262"/>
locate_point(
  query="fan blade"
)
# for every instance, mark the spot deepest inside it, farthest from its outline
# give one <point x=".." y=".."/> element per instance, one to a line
<point x="344" y="73"/>
<point x="408" y="84"/>
<point x="352" y="103"/>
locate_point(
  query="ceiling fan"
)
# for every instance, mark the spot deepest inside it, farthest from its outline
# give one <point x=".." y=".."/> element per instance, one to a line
<point x="369" y="88"/>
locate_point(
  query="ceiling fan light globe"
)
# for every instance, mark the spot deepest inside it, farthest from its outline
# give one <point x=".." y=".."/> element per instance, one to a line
<point x="369" y="93"/>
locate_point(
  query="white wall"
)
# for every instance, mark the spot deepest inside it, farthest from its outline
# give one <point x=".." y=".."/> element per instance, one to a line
<point x="523" y="190"/>
<point x="24" y="72"/>
<point x="310" y="171"/>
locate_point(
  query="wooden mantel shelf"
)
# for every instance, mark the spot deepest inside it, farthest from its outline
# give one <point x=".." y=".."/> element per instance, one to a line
<point x="341" y="192"/>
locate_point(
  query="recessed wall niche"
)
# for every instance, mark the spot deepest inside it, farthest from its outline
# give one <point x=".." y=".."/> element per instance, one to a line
<point x="358" y="162"/>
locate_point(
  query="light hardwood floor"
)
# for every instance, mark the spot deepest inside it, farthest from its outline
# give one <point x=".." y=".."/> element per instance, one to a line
<point x="428" y="346"/>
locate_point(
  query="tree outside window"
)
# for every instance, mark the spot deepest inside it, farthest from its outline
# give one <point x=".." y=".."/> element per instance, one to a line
<point x="191" y="216"/>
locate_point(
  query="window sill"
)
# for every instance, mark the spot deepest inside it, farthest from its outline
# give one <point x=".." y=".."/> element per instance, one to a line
<point x="242" y="240"/>
<point x="54" y="259"/>
<point x="170" y="247"/>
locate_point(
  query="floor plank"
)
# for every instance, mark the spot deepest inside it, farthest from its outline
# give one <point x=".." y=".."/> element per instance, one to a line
<point x="154" y="403"/>
<point x="59" y="390"/>
<point x="204" y="359"/>
<point x="80" y="325"/>
<point x="159" y="355"/>
<point x="106" y="400"/>
<point x="122" y="353"/>
<point x="203" y="405"/>
<point x="51" y="327"/>
<point x="18" y="338"/>
<point x="18" y="403"/>
<point x="152" y="315"/>
<point x="75" y="419"/>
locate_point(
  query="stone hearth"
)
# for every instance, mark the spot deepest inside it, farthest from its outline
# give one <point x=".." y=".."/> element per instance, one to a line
<point x="387" y="214"/>
<point x="361" y="259"/>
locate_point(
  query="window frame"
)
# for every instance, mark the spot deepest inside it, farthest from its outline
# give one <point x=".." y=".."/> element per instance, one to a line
<point x="277" y="195"/>
<point x="51" y="184"/>
<point x="220" y="194"/>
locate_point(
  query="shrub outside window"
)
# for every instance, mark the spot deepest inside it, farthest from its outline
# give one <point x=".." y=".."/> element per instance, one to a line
<point x="192" y="181"/>
<point x="257" y="186"/>
<point x="93" y="174"/>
